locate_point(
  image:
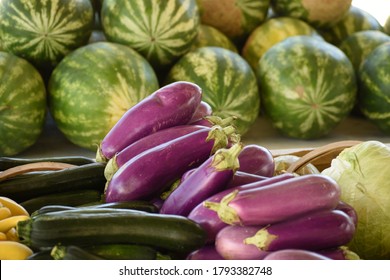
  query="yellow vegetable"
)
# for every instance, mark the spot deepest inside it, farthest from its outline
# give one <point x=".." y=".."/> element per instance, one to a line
<point x="16" y="208"/>
<point x="4" y="213"/>
<point x="11" y="250"/>
<point x="8" y="223"/>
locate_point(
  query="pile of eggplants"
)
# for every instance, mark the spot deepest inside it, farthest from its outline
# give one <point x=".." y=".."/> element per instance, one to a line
<point x="170" y="149"/>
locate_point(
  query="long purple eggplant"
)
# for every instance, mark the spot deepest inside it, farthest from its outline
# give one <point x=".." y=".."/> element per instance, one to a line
<point x="243" y="178"/>
<point x="256" y="159"/>
<point x="295" y="254"/>
<point x="203" y="110"/>
<point x="171" y="105"/>
<point x="160" y="137"/>
<point x="339" y="253"/>
<point x="151" y="172"/>
<point x="209" y="220"/>
<point x="279" y="201"/>
<point x="315" y="231"/>
<point x="207" y="252"/>
<point x="209" y="178"/>
<point x="349" y="210"/>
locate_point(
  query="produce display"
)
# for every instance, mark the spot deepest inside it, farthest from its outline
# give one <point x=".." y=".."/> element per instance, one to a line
<point x="165" y="106"/>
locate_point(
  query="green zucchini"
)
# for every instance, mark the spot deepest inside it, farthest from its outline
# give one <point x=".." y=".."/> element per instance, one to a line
<point x="72" y="252"/>
<point x="124" y="252"/>
<point x="70" y="198"/>
<point x="51" y="208"/>
<point x="88" y="176"/>
<point x="9" y="162"/>
<point x="132" y="204"/>
<point x="91" y="226"/>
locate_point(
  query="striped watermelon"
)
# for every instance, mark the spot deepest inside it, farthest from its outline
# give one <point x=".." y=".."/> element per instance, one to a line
<point x="386" y="26"/>
<point x="209" y="36"/>
<point x="161" y="30"/>
<point x="22" y="104"/>
<point x="359" y="44"/>
<point x="374" y="87"/>
<point x="43" y="32"/>
<point x="308" y="86"/>
<point x="355" y="20"/>
<point x="318" y="13"/>
<point x="271" y="32"/>
<point x="93" y="86"/>
<point x="229" y="85"/>
<point x="235" y="18"/>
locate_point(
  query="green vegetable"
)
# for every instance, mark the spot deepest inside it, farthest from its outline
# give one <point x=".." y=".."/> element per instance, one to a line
<point x="363" y="173"/>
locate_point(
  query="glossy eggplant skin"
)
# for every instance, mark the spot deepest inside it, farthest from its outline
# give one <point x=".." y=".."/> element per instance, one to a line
<point x="209" y="220"/>
<point x="256" y="159"/>
<point x="207" y="252"/>
<point x="160" y="137"/>
<point x="210" y="177"/>
<point x="313" y="232"/>
<point x="203" y="110"/>
<point x="279" y="201"/>
<point x="295" y="254"/>
<point x="171" y="105"/>
<point x="150" y="173"/>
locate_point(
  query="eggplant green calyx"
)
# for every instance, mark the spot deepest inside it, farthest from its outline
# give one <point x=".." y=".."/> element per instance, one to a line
<point x="111" y="168"/>
<point x="216" y="120"/>
<point x="219" y="136"/>
<point x="58" y="252"/>
<point x="227" y="159"/>
<point x="99" y="156"/>
<point x="226" y="213"/>
<point x="262" y="239"/>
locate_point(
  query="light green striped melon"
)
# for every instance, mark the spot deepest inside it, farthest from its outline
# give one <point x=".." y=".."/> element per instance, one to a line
<point x="43" y="32"/>
<point x="92" y="87"/>
<point x="354" y="21"/>
<point x="360" y="44"/>
<point x="235" y="18"/>
<point x="318" y="13"/>
<point x="374" y="87"/>
<point x="228" y="83"/>
<point x="271" y="32"/>
<point x="209" y="36"/>
<point x="386" y="26"/>
<point x="308" y="86"/>
<point x="161" y="30"/>
<point x="22" y="104"/>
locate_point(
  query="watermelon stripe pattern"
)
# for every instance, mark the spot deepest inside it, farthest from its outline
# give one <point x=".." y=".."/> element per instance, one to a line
<point x="93" y="87"/>
<point x="43" y="32"/>
<point x="374" y="87"/>
<point x="22" y="104"/>
<point x="302" y="101"/>
<point x="229" y="84"/>
<point x="161" y="31"/>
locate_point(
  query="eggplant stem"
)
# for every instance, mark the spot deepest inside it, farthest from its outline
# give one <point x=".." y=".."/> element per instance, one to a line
<point x="226" y="213"/>
<point x="111" y="168"/>
<point x="262" y="239"/>
<point x="99" y="156"/>
<point x="225" y="159"/>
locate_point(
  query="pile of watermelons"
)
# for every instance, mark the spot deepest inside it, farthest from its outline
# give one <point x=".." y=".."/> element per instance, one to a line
<point x="86" y="62"/>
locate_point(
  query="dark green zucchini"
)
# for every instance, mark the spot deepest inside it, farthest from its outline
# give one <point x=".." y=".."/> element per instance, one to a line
<point x="71" y="198"/>
<point x="9" y="162"/>
<point x="88" y="176"/>
<point x="91" y="226"/>
<point x="132" y="204"/>
<point x="124" y="252"/>
<point x="72" y="252"/>
<point x="51" y="208"/>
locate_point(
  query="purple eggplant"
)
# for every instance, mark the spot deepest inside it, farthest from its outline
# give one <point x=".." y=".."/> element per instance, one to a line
<point x="256" y="159"/>
<point x="160" y="137"/>
<point x="243" y="178"/>
<point x="349" y="210"/>
<point x="203" y="110"/>
<point x="339" y="253"/>
<point x="151" y="172"/>
<point x="279" y="201"/>
<point x="315" y="231"/>
<point x="295" y="254"/>
<point x="212" y="120"/>
<point x="171" y="105"/>
<point x="209" y="220"/>
<point x="209" y="178"/>
<point x="208" y="252"/>
<point x="230" y="244"/>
